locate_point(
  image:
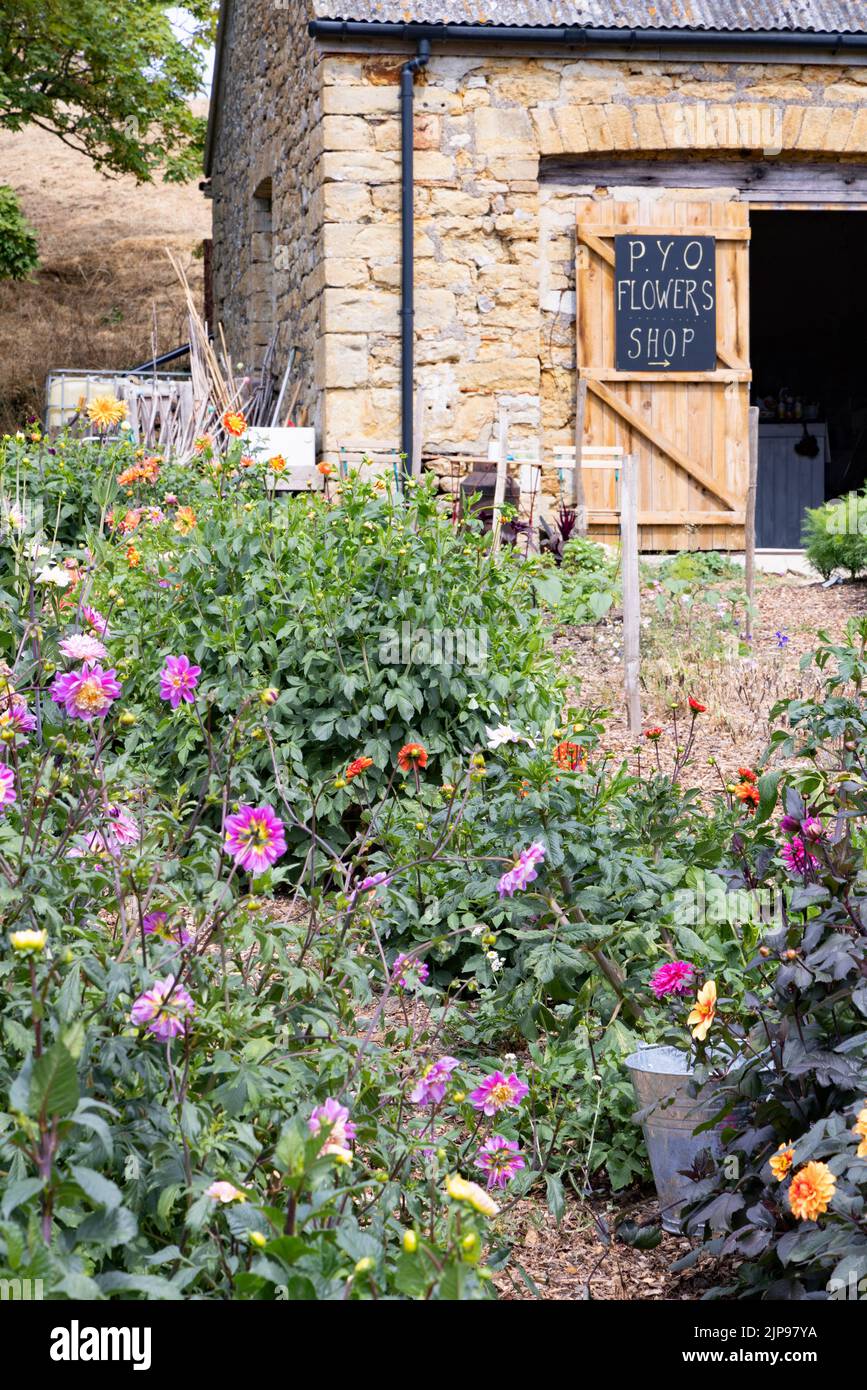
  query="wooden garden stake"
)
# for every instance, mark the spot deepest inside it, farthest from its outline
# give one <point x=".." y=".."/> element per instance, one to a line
<point x="579" y="496"/>
<point x="418" y="431"/>
<point x="500" y="486"/>
<point x="750" y="520"/>
<point x="631" y="591"/>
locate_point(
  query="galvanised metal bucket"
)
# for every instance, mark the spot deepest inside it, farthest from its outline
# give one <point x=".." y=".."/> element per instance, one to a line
<point x="669" y="1115"/>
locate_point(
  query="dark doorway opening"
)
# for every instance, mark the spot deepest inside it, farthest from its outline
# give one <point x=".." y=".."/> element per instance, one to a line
<point x="808" y="349"/>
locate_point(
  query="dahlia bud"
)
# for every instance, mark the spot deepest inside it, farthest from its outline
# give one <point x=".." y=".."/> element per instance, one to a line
<point x="364" y="1265"/>
<point x="471" y="1247"/>
<point x="269" y="696"/>
<point x="410" y="1242"/>
<point x="258" y="1239"/>
<point x="126" y="719"/>
<point x="790" y="825"/>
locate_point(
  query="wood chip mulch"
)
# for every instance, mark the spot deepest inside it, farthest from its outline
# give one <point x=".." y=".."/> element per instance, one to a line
<point x="737" y="690"/>
<point x="570" y="1261"/>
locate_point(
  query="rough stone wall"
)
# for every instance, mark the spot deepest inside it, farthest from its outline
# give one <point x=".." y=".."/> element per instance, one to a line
<point x="495" y="249"/>
<point x="268" y="141"/>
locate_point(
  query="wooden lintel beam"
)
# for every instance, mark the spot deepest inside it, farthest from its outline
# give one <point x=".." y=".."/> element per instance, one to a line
<point x="602" y="229"/>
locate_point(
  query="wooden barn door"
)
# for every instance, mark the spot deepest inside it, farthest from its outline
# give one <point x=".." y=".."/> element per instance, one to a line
<point x="689" y="430"/>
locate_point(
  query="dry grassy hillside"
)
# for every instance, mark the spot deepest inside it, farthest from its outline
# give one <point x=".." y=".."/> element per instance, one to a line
<point x="105" y="290"/>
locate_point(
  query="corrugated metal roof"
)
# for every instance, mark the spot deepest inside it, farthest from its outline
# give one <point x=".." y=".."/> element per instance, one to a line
<point x="816" y="16"/>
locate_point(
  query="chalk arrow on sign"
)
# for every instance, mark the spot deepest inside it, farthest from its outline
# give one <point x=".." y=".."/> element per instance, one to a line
<point x="666" y="363"/>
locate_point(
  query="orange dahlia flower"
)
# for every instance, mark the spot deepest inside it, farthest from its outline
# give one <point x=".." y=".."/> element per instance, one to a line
<point x="703" y="1012"/>
<point x="655" y="734"/>
<point x="356" y="767"/>
<point x="235" y="422"/>
<point x="811" y="1191"/>
<point x="696" y="707"/>
<point x="780" y="1162"/>
<point x="185" y="520"/>
<point x="748" y="794"/>
<point x="412" y="755"/>
<point x="746" y="774"/>
<point x="570" y="756"/>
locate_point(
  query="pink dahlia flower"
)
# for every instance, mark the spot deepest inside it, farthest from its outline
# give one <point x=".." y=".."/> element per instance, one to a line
<point x="812" y="828"/>
<point x="341" y="1129"/>
<point x="254" y="838"/>
<point x="367" y="885"/>
<point x="408" y="972"/>
<point x="81" y="646"/>
<point x="497" y="1092"/>
<point x="8" y="794"/>
<point x="163" y="1009"/>
<point x="15" y="716"/>
<point x="501" y="1159"/>
<point x="675" y="977"/>
<point x="797" y="857"/>
<point x="86" y="694"/>
<point x="431" y="1085"/>
<point x="157" y="924"/>
<point x="522" y="872"/>
<point x="178" y="680"/>
<point x="225" y="1192"/>
<point x="118" y="829"/>
<point x="95" y="620"/>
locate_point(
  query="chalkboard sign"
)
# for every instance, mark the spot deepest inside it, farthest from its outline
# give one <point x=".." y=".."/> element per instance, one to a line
<point x="665" y="303"/>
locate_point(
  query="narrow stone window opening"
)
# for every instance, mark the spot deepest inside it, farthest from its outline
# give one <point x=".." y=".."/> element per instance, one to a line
<point x="262" y="299"/>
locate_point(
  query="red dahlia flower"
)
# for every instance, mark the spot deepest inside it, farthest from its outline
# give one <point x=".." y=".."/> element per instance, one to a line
<point x="412" y="755"/>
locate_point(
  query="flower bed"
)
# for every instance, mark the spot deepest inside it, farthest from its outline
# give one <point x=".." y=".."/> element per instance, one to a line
<point x="323" y="951"/>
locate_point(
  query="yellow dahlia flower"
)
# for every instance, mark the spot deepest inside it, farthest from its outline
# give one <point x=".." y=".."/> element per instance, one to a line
<point x="703" y="1012"/>
<point x="781" y="1161"/>
<point x="28" y="941"/>
<point x="105" y="411"/>
<point x="463" y="1191"/>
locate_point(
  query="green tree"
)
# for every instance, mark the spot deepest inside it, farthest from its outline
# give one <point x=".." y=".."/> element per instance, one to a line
<point x="111" y="79"/>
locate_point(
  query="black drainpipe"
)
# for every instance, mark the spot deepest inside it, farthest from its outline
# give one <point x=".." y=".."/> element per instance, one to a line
<point x="407" y="258"/>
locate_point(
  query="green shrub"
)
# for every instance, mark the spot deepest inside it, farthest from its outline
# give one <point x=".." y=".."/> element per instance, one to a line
<point x="377" y="622"/>
<point x="588" y="577"/>
<point x="699" y="567"/>
<point x="19" y="252"/>
<point x="835" y="536"/>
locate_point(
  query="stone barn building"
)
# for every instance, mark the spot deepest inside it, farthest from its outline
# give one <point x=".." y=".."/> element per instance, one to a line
<point x="614" y="222"/>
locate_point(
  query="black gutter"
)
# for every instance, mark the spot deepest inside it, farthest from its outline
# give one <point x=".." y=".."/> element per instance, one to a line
<point x="576" y="36"/>
<point x="407" y="257"/>
<point x="154" y="362"/>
